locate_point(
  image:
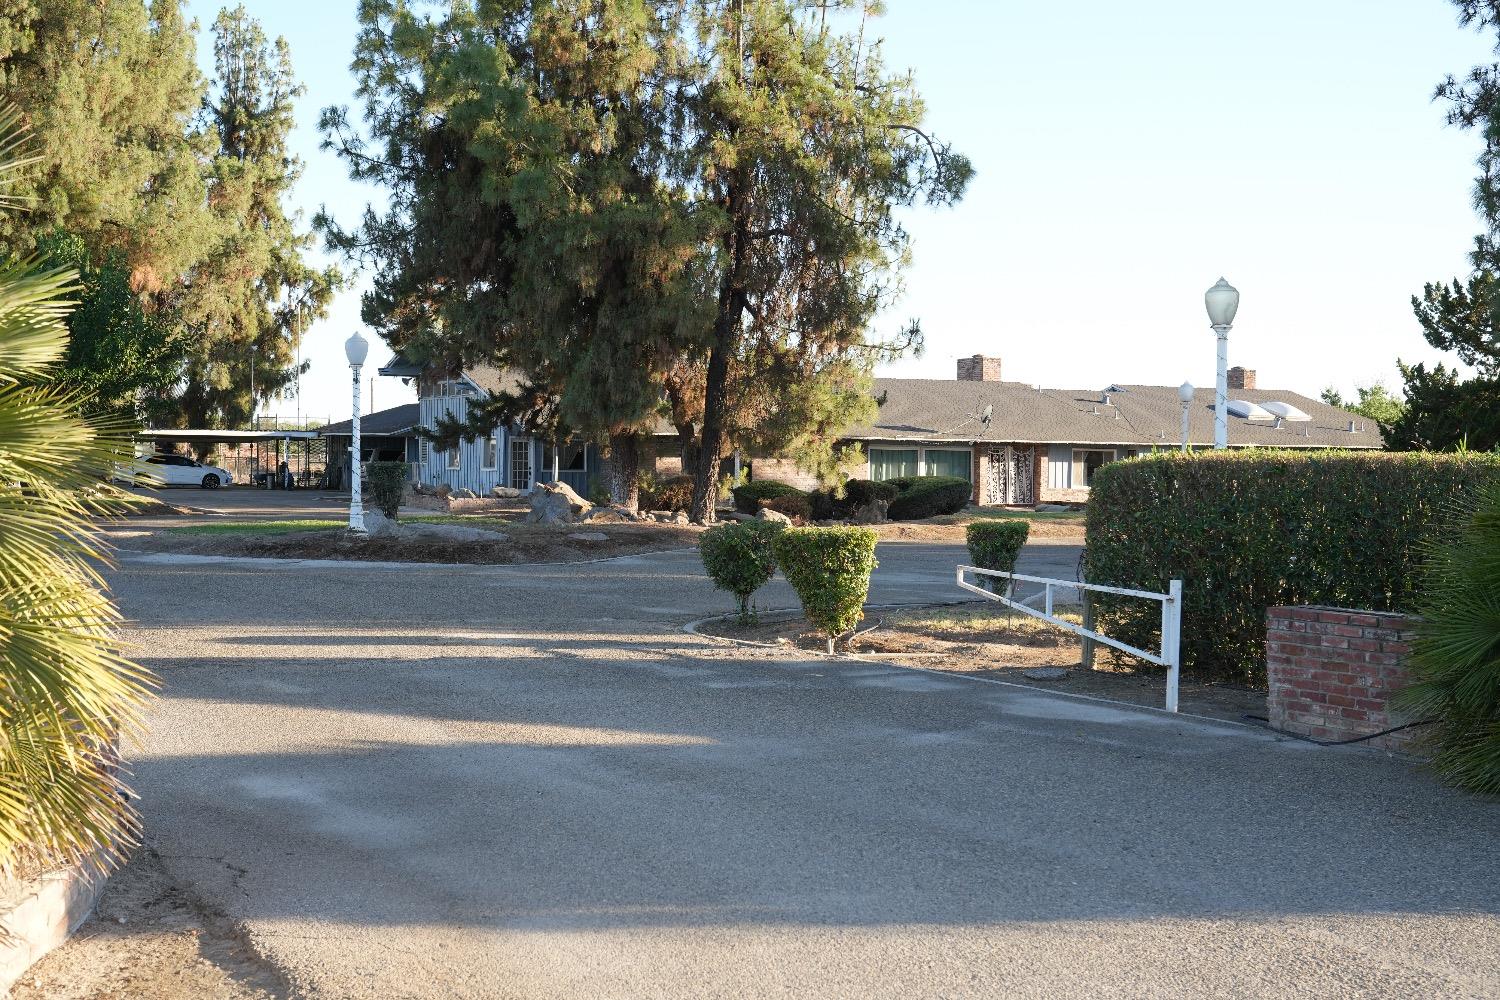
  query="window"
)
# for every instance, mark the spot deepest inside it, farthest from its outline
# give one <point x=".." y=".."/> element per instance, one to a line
<point x="454" y="458"/>
<point x="1086" y="462"/>
<point x="424" y="451"/>
<point x="892" y="463"/>
<point x="520" y="464"/>
<point x="491" y="453"/>
<point x="947" y="462"/>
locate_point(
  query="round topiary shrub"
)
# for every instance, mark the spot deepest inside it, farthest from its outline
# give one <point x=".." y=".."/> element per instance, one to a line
<point x="386" y="484"/>
<point x="996" y="545"/>
<point x="740" y="557"/>
<point x="929" y="496"/>
<point x="747" y="498"/>
<point x="829" y="568"/>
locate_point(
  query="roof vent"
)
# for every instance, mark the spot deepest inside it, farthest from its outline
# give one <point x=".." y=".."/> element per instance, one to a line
<point x="1104" y="397"/>
<point x="1286" y="411"/>
<point x="1248" y="410"/>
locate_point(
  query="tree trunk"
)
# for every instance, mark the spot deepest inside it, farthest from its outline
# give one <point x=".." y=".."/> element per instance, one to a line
<point x="624" y="469"/>
<point x="687" y="445"/>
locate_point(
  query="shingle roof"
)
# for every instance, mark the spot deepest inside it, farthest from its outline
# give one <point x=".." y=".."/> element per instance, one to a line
<point x="950" y="410"/>
<point x="394" y="421"/>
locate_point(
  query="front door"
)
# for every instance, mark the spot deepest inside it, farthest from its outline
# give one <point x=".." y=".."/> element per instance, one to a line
<point x="520" y="463"/>
<point x="1011" y="476"/>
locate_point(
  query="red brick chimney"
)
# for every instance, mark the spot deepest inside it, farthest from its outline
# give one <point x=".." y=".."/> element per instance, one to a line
<point x="1241" y="378"/>
<point x="979" y="369"/>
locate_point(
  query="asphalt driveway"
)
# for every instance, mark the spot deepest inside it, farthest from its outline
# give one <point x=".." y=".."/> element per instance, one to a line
<point x="526" y="782"/>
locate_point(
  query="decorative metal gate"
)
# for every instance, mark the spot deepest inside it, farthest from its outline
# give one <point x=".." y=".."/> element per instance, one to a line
<point x="1012" y="476"/>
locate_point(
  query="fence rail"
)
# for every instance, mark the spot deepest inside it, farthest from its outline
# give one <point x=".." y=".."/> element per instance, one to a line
<point x="1170" y="654"/>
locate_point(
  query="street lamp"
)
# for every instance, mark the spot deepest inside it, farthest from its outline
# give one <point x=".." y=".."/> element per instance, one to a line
<point x="1222" y="301"/>
<point x="1185" y="394"/>
<point x="355" y="349"/>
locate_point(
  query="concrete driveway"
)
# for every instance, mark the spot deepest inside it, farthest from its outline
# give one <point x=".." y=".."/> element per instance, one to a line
<point x="526" y="782"/>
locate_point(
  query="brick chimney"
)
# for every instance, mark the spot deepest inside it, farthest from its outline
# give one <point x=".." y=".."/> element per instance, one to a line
<point x="1241" y="378"/>
<point x="979" y="369"/>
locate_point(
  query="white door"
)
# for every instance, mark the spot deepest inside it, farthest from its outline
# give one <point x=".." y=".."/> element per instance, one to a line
<point x="520" y="464"/>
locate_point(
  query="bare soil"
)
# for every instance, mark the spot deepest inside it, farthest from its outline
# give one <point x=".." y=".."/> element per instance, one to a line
<point x="150" y="940"/>
<point x="936" y="531"/>
<point x="514" y="543"/>
<point x="973" y="639"/>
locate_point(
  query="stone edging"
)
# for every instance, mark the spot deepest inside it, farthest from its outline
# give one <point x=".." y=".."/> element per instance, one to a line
<point x="55" y="906"/>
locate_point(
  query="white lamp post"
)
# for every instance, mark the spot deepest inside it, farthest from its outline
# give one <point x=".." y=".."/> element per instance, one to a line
<point x="1222" y="301"/>
<point x="1185" y="394"/>
<point x="355" y="349"/>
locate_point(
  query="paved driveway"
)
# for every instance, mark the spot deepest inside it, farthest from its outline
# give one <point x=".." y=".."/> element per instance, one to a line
<point x="525" y="782"/>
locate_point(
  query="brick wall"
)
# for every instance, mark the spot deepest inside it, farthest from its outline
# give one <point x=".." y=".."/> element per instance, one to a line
<point x="978" y="369"/>
<point x="1332" y="670"/>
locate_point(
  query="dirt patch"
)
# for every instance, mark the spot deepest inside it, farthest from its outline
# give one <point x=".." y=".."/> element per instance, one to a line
<point x="932" y="531"/>
<point x="150" y="940"/>
<point x="973" y="639"/>
<point x="514" y="543"/>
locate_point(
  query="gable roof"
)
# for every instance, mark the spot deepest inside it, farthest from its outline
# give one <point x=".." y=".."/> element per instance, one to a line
<point x="1136" y="415"/>
<point x="395" y="421"/>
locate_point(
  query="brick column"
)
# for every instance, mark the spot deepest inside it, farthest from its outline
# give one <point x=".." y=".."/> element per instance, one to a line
<point x="1331" y="672"/>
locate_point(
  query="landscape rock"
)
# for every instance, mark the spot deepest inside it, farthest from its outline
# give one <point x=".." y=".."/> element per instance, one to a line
<point x="873" y="512"/>
<point x="1052" y="508"/>
<point x="774" y="516"/>
<point x="432" y="490"/>
<point x="452" y="533"/>
<point x="616" y="515"/>
<point x="588" y="536"/>
<point x="377" y="525"/>
<point x="463" y="494"/>
<point x="556" y="503"/>
<point x="680" y="518"/>
<point x="504" y="492"/>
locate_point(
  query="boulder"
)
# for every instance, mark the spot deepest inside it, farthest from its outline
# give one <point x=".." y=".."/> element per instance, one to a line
<point x="504" y="492"/>
<point x="588" y="536"/>
<point x="680" y="518"/>
<point x="616" y="515"/>
<point x="432" y="489"/>
<point x="556" y="503"/>
<point x="463" y="494"/>
<point x="873" y="512"/>
<point x="452" y="533"/>
<point x="377" y="525"/>
<point x="774" y="516"/>
<point x="1052" y="508"/>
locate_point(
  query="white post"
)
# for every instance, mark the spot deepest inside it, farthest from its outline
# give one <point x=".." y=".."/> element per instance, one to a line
<point x="1171" y="640"/>
<point x="556" y="465"/>
<point x="1221" y="391"/>
<point x="356" y="501"/>
<point x="1185" y="409"/>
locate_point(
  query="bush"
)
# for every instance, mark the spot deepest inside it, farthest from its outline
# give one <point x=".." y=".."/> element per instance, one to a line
<point x="673" y="493"/>
<point x="856" y="494"/>
<point x="1455" y="661"/>
<point x="386" y="483"/>
<point x="929" y="496"/>
<point x="747" y="498"/>
<point x="829" y="568"/>
<point x="599" y="494"/>
<point x="996" y="545"/>
<point x="1245" y="531"/>
<point x="798" y="507"/>
<point x="740" y="557"/>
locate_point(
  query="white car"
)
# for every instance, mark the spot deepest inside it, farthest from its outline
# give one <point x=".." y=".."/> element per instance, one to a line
<point x="177" y="470"/>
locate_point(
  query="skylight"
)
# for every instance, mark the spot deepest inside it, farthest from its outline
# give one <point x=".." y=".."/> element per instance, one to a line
<point x="1248" y="410"/>
<point x="1286" y="411"/>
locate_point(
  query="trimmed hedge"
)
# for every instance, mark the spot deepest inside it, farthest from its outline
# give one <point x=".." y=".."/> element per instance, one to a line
<point x="857" y="493"/>
<point x="996" y="545"/>
<point x="674" y="493"/>
<point x="798" y="507"/>
<point x="386" y="484"/>
<point x="747" y="498"/>
<point x="1245" y="531"/>
<point x="740" y="557"/>
<point x="829" y="568"/>
<point x="928" y="496"/>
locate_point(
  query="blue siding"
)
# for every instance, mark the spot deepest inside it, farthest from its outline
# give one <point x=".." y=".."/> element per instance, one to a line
<point x="470" y="475"/>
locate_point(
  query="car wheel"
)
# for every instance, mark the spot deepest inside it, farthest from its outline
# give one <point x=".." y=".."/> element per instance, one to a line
<point x="210" y="482"/>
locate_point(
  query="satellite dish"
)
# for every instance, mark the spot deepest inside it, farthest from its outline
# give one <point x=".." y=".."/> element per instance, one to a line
<point x="988" y="414"/>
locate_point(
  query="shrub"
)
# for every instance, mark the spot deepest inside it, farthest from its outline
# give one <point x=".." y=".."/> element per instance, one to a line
<point x="386" y="483"/>
<point x="996" y="545"/>
<point x="1455" y="660"/>
<point x="599" y="494"/>
<point x="747" y="498"/>
<point x="929" y="496"/>
<point x="1248" y="530"/>
<point x="829" y="568"/>
<point x="799" y="506"/>
<point x="740" y="557"/>
<point x="826" y="505"/>
<point x="673" y="493"/>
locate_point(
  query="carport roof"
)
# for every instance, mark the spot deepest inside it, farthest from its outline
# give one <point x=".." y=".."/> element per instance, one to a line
<point x="394" y="421"/>
<point x="222" y="436"/>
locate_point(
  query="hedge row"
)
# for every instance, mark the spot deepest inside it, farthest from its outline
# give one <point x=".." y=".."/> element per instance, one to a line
<point x="1245" y="531"/>
<point x="928" y="496"/>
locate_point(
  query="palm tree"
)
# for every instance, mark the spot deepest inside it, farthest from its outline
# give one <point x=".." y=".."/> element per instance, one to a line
<point x="66" y="693"/>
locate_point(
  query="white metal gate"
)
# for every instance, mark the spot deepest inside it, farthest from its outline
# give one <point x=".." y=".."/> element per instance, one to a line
<point x="1170" y="654"/>
<point x="1012" y="472"/>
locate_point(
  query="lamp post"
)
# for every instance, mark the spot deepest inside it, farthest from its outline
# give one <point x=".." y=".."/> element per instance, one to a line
<point x="1222" y="301"/>
<point x="1185" y="394"/>
<point x="355" y="349"/>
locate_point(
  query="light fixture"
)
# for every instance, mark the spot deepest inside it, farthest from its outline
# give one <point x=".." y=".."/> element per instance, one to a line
<point x="355" y="349"/>
<point x="1222" y="301"/>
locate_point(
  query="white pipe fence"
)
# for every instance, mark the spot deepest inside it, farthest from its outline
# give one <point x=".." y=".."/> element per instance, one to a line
<point x="1170" y="654"/>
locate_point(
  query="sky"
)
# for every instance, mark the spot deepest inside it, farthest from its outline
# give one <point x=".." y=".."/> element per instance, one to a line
<point x="1126" y="156"/>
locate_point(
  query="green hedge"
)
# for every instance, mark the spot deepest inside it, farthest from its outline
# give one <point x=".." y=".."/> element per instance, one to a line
<point x="827" y="506"/>
<point x="1245" y="531"/>
<point x="928" y="496"/>
<point x="996" y="545"/>
<point x="747" y="498"/>
<point x="740" y="557"/>
<point x="386" y="483"/>
<point x="794" y="506"/>
<point x="829" y="568"/>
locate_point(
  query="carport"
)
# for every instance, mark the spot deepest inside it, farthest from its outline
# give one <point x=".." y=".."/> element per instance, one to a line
<point x="250" y="454"/>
